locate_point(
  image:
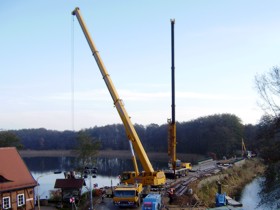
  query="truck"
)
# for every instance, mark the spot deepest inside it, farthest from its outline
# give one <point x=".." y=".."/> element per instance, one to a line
<point x="177" y="168"/>
<point x="127" y="195"/>
<point x="148" y="177"/>
<point x="181" y="170"/>
<point x="152" y="202"/>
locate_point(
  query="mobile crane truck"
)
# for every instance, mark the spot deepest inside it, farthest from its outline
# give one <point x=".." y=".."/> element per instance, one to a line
<point x="149" y="177"/>
<point x="177" y="168"/>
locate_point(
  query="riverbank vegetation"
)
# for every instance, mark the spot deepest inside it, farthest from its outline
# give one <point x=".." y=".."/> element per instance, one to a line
<point x="232" y="181"/>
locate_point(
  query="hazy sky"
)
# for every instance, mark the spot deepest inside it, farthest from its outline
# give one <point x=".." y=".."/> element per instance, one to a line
<point x="219" y="48"/>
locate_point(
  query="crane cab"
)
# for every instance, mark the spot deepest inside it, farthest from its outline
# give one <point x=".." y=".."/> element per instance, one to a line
<point x="128" y="177"/>
<point x="156" y="178"/>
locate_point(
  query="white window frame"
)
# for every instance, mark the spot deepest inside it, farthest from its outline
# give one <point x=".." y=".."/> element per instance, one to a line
<point x="22" y="201"/>
<point x="3" y="203"/>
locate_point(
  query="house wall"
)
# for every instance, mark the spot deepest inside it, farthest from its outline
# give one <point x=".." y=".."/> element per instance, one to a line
<point x="28" y="198"/>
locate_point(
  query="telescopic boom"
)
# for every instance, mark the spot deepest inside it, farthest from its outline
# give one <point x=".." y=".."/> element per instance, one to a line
<point x="129" y="128"/>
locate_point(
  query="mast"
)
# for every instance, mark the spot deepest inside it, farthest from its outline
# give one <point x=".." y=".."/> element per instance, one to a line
<point x="172" y="122"/>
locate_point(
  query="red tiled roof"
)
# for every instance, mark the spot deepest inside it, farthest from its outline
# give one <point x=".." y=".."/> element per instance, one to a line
<point x="13" y="171"/>
<point x="69" y="183"/>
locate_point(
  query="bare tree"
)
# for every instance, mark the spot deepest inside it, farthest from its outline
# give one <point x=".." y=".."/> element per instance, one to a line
<point x="86" y="150"/>
<point x="268" y="87"/>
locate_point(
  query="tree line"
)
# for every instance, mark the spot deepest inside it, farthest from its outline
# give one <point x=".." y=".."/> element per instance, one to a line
<point x="220" y="134"/>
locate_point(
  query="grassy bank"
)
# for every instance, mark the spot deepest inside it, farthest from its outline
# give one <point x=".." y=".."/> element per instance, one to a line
<point x="233" y="180"/>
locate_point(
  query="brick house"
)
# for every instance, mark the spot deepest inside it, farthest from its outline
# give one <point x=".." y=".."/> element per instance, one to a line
<point x="16" y="182"/>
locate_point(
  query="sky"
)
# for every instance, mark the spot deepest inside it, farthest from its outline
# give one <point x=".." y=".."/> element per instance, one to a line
<point x="49" y="78"/>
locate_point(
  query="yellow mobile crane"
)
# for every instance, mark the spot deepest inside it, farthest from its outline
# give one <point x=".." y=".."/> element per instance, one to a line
<point x="177" y="168"/>
<point x="245" y="153"/>
<point x="149" y="176"/>
<point x="244" y="150"/>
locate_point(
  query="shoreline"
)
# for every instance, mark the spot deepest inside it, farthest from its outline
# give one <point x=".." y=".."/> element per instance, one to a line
<point x="125" y="154"/>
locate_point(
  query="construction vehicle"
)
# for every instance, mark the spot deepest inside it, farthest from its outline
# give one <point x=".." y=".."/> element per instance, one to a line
<point x="152" y="202"/>
<point x="128" y="195"/>
<point x="179" y="164"/>
<point x="149" y="177"/>
<point x="220" y="197"/>
<point x="177" y="168"/>
<point x="243" y="148"/>
<point x="186" y="165"/>
<point x="246" y="153"/>
<point x="181" y="169"/>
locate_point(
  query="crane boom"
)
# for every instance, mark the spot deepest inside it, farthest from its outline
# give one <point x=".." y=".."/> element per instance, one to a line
<point x="172" y="142"/>
<point x="129" y="128"/>
<point x="172" y="122"/>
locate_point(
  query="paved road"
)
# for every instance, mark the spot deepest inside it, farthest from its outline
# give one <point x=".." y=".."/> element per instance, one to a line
<point x="108" y="205"/>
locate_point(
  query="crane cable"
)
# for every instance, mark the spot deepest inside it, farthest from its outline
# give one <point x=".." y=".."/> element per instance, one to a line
<point x="72" y="74"/>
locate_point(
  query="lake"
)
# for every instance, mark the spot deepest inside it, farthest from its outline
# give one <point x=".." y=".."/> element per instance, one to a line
<point x="43" y="168"/>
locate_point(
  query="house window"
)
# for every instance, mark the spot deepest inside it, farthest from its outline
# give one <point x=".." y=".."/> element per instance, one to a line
<point x="20" y="199"/>
<point x="6" y="202"/>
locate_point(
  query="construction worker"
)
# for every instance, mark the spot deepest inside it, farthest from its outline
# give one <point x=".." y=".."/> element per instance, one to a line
<point x="171" y="194"/>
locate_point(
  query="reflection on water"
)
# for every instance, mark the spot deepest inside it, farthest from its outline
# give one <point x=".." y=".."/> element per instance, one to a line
<point x="43" y="168"/>
<point x="48" y="164"/>
<point x="106" y="166"/>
